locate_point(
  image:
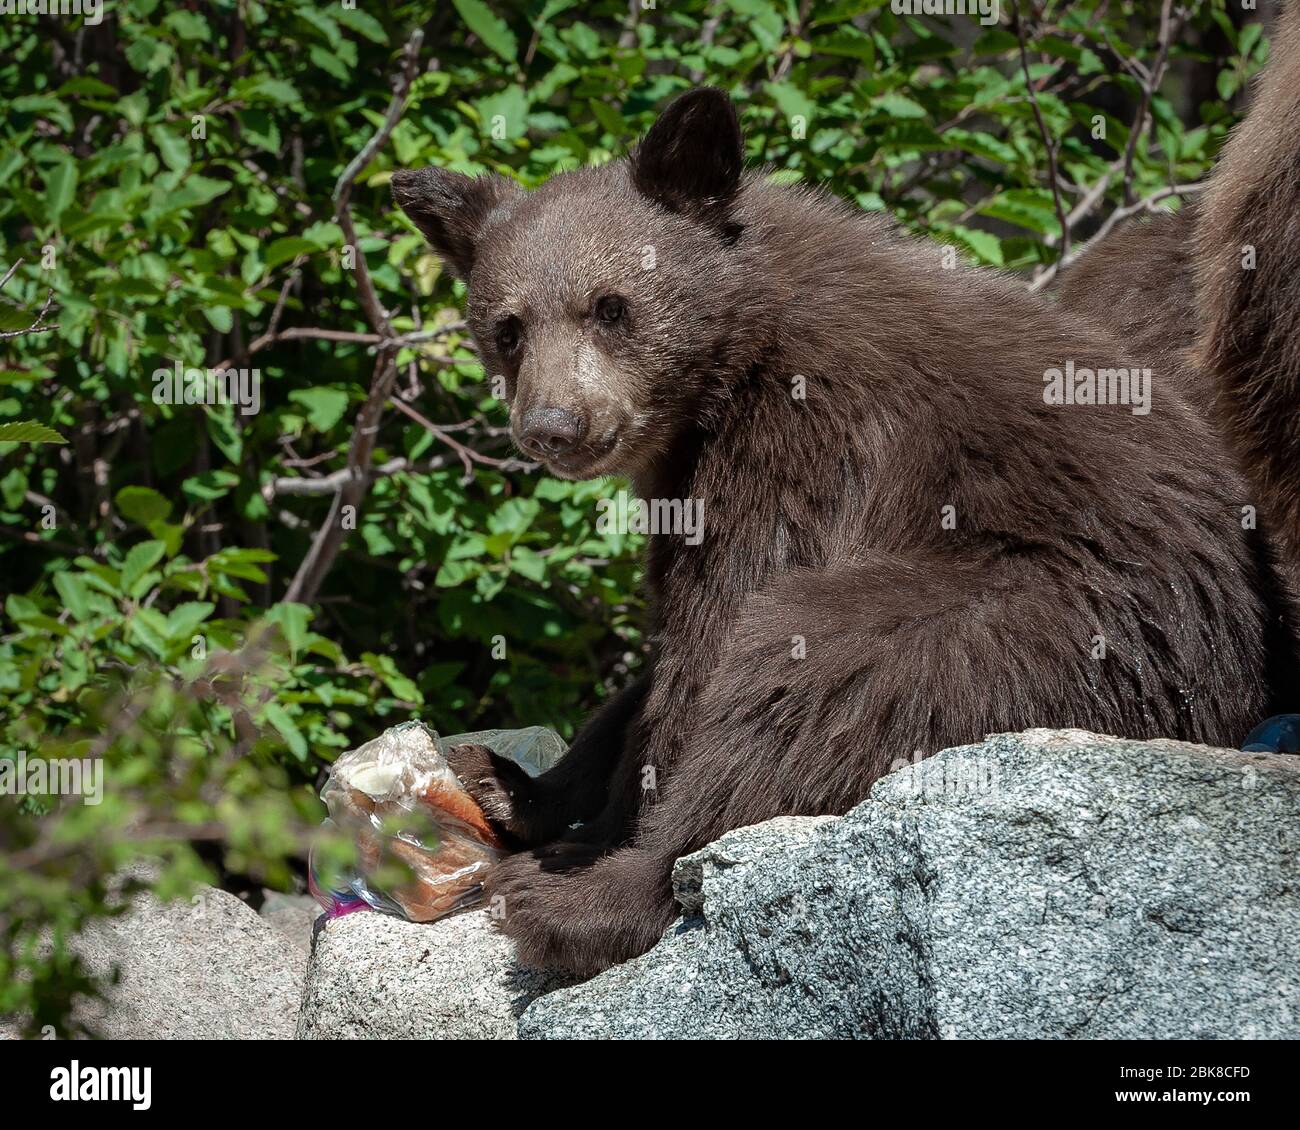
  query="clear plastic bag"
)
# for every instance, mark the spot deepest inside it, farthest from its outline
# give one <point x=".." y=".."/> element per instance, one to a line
<point x="400" y="802"/>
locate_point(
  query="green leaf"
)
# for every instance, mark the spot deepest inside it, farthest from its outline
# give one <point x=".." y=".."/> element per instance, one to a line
<point x="10" y="163"/>
<point x="848" y="42"/>
<point x="263" y="88"/>
<point x="24" y="376"/>
<point x="508" y="109"/>
<point x="490" y="28"/>
<point x="220" y="318"/>
<point x="184" y="619"/>
<point x="293" y="621"/>
<point x="20" y="608"/>
<point x="323" y="22"/>
<point x="364" y="23"/>
<point x="139" y="560"/>
<point x="194" y="193"/>
<point x="452" y="573"/>
<point x="514" y="516"/>
<point x="899" y="106"/>
<point x="392" y="678"/>
<point x="29" y="432"/>
<point x="221" y="427"/>
<point x="188" y="25"/>
<point x="288" y="728"/>
<point x="210" y="485"/>
<point x="283" y="250"/>
<point x="527" y="563"/>
<point x="174" y="150"/>
<point x="85" y="85"/>
<point x="240" y="563"/>
<point x="171" y="535"/>
<point x="330" y="63"/>
<point x="610" y="119"/>
<point x="325" y="406"/>
<point x="149" y="55"/>
<point x="142" y="505"/>
<point x="13" y="488"/>
<point x="76" y="597"/>
<point x="792" y="101"/>
<point x="984" y="244"/>
<point x="982" y="145"/>
<point x="60" y="187"/>
<point x="1030" y="208"/>
<point x="149" y="627"/>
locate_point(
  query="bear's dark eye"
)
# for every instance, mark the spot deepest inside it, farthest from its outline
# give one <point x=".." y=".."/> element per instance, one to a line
<point x="509" y="331"/>
<point x="611" y="309"/>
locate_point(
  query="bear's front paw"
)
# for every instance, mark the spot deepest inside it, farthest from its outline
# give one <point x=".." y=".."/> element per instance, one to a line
<point x="580" y="920"/>
<point x="499" y="787"/>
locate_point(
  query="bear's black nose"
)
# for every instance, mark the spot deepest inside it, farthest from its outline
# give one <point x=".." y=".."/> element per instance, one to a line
<point x="548" y="432"/>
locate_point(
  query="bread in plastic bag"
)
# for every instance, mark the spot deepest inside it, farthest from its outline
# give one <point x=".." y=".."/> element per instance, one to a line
<point x="399" y="800"/>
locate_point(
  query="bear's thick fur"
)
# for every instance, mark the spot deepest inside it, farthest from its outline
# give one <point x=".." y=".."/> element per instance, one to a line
<point x="908" y="543"/>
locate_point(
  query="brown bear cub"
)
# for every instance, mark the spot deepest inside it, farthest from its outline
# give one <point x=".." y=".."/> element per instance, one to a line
<point x="922" y="523"/>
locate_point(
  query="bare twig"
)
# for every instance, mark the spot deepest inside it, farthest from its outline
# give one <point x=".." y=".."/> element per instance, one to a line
<point x="1149" y="86"/>
<point x="467" y="455"/>
<point x="328" y="484"/>
<point x="1147" y="204"/>
<point x="708" y="32"/>
<point x="796" y="30"/>
<point x="1088" y="202"/>
<point x="1149" y="80"/>
<point x="36" y="327"/>
<point x="352" y="491"/>
<point x="343" y="186"/>
<point x="1053" y="172"/>
<point x="390" y="341"/>
<point x="278" y="311"/>
<point x="627" y="37"/>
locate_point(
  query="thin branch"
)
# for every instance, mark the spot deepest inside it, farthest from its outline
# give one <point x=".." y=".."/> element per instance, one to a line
<point x="351" y="493"/>
<point x="1089" y="201"/>
<point x="375" y="312"/>
<point x="1150" y="81"/>
<point x="391" y="342"/>
<point x="1053" y="172"/>
<point x="1149" y="86"/>
<point x="401" y="86"/>
<point x="796" y="30"/>
<point x="329" y="538"/>
<point x="48" y="850"/>
<point x="36" y="327"/>
<point x="627" y="37"/>
<point x="278" y="311"/>
<point x="329" y="484"/>
<point x="467" y="455"/>
<point x="1147" y="204"/>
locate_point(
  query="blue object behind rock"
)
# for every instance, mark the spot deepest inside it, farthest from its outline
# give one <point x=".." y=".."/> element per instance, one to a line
<point x="1280" y="734"/>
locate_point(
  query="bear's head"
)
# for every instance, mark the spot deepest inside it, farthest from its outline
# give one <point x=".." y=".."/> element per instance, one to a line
<point x="609" y="298"/>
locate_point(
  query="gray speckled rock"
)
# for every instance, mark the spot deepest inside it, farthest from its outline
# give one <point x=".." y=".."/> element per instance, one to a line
<point x="1046" y="884"/>
<point x="376" y="977"/>
<point x="206" y="968"/>
<point x="294" y="916"/>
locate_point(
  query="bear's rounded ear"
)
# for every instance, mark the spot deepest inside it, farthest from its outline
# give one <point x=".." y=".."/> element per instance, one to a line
<point x="451" y="209"/>
<point x="691" y="159"/>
